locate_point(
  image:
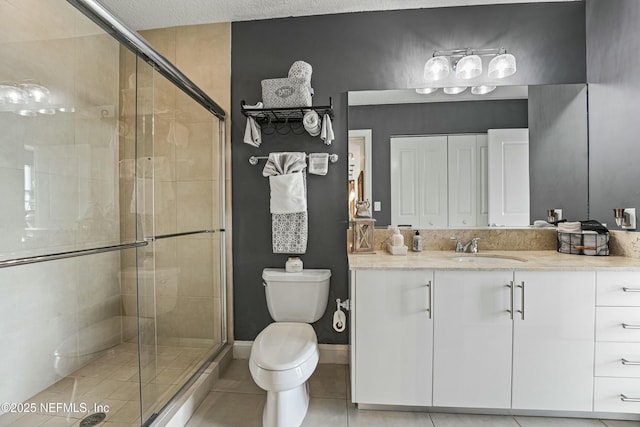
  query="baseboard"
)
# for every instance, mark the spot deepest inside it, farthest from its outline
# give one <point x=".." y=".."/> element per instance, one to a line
<point x="329" y="353"/>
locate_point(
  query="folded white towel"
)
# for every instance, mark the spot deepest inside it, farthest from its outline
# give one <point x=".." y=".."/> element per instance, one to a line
<point x="318" y="163"/>
<point x="287" y="193"/>
<point x="311" y="123"/>
<point x="570" y="227"/>
<point x="284" y="163"/>
<point x="252" y="133"/>
<point x="327" y="130"/>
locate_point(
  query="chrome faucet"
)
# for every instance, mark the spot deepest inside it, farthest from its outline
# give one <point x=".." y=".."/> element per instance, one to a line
<point x="470" y="247"/>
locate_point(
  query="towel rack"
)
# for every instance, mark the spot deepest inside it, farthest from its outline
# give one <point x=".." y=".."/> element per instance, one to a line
<point x="253" y="160"/>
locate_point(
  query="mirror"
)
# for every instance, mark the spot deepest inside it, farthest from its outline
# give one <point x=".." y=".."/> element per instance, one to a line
<point x="556" y="116"/>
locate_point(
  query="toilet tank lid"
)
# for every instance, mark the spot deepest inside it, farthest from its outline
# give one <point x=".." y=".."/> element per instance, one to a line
<point x="306" y="275"/>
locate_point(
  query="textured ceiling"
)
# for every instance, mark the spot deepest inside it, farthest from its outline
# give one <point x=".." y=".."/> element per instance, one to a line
<point x="146" y="14"/>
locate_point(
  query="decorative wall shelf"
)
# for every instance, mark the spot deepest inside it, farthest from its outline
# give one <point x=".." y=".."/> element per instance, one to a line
<point x="267" y="116"/>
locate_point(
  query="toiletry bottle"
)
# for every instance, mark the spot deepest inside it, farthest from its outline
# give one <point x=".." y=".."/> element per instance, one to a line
<point x="397" y="239"/>
<point x="417" y="242"/>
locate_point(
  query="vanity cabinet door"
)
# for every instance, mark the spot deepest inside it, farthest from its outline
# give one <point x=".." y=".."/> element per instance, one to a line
<point x="392" y="340"/>
<point x="472" y="339"/>
<point x="553" y="340"/>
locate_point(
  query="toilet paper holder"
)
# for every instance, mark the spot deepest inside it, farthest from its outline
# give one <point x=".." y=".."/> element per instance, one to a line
<point x="346" y="304"/>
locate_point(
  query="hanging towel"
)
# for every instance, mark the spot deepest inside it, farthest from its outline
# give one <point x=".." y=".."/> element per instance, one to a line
<point x="288" y="206"/>
<point x="327" y="130"/>
<point x="252" y="133"/>
<point x="318" y="163"/>
<point x="311" y="123"/>
<point x="287" y="193"/>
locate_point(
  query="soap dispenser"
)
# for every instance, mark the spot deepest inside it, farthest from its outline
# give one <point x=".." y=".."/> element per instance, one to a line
<point x="417" y="242"/>
<point x="397" y="239"/>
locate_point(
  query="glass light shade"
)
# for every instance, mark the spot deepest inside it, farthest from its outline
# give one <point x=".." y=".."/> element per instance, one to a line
<point x="426" y="90"/>
<point x="36" y="92"/>
<point x="502" y="66"/>
<point x="454" y="90"/>
<point x="26" y="113"/>
<point x="12" y="95"/>
<point x="482" y="90"/>
<point x="437" y="68"/>
<point x="469" y="67"/>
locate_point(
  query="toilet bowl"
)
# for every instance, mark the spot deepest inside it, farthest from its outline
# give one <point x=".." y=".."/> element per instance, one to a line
<point x="283" y="357"/>
<point x="285" y="353"/>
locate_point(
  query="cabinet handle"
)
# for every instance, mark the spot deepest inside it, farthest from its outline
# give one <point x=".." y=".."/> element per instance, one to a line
<point x="430" y="298"/>
<point x="628" y="362"/>
<point x="625" y="289"/>
<point x="629" y="399"/>
<point x="627" y="326"/>
<point x="521" y="311"/>
<point x="510" y="310"/>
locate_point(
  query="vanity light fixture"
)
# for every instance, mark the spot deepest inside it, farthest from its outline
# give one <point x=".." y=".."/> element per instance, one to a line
<point x="10" y="94"/>
<point x="25" y="99"/>
<point x="467" y="63"/>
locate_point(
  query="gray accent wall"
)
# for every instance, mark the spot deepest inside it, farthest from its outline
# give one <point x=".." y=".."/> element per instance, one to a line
<point x="426" y="119"/>
<point x="362" y="51"/>
<point x="558" y="151"/>
<point x="613" y="61"/>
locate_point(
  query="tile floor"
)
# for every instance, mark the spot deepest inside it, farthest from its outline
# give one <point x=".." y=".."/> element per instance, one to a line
<point x="237" y="402"/>
<point x="112" y="380"/>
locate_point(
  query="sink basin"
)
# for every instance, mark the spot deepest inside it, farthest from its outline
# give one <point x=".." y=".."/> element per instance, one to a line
<point x="489" y="259"/>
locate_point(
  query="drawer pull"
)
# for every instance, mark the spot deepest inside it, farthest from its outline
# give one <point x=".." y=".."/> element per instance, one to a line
<point x="631" y="289"/>
<point x="629" y="399"/>
<point x="627" y="326"/>
<point x="628" y="362"/>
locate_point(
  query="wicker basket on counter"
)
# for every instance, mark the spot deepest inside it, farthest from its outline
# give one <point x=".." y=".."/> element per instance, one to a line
<point x="583" y="243"/>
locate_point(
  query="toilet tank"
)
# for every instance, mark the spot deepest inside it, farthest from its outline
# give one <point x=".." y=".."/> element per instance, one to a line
<point x="296" y="297"/>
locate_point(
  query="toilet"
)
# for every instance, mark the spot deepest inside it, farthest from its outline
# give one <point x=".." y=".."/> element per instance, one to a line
<point x="285" y="353"/>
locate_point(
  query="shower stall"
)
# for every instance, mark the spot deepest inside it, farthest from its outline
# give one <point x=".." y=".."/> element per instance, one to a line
<point x="111" y="220"/>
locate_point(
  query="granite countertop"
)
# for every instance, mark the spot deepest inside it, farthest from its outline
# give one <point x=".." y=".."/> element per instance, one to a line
<point x="500" y="260"/>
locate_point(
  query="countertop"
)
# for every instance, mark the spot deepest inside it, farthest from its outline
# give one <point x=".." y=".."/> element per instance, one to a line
<point x="500" y="260"/>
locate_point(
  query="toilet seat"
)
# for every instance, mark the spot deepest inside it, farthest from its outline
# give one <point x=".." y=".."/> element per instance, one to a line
<point x="284" y="355"/>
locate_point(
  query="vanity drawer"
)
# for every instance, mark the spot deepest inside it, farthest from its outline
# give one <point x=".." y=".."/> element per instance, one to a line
<point x="608" y="395"/>
<point x="618" y="288"/>
<point x="619" y="324"/>
<point x="610" y="363"/>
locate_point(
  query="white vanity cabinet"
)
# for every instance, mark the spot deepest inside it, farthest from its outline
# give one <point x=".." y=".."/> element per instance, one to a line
<point x="553" y="340"/>
<point x="617" y="372"/>
<point x="392" y="337"/>
<point x="500" y="339"/>
<point x="472" y="339"/>
<point x="542" y="359"/>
